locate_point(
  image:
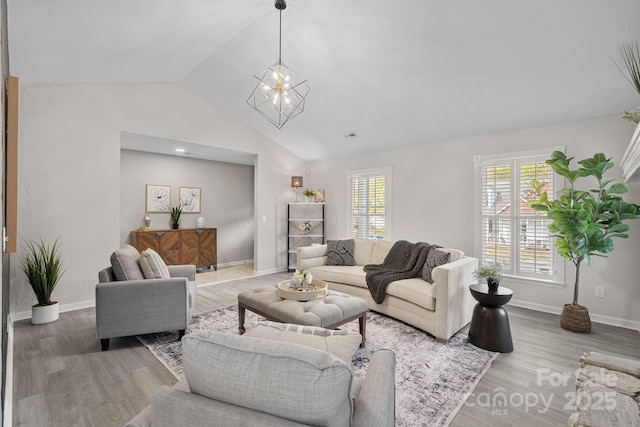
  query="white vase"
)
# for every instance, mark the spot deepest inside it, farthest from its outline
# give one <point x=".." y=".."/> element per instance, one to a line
<point x="200" y="222"/>
<point x="308" y="279"/>
<point x="146" y="221"/>
<point x="41" y="314"/>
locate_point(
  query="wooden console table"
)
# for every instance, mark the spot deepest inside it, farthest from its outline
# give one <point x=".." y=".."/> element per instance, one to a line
<point x="196" y="246"/>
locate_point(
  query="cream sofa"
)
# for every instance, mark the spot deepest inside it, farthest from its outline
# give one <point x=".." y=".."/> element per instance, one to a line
<point x="440" y="308"/>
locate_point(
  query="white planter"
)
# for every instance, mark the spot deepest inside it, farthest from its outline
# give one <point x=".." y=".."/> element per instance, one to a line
<point x="41" y="314"/>
<point x="630" y="162"/>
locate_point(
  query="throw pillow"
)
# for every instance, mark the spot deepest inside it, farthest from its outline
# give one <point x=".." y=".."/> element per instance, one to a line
<point x="153" y="266"/>
<point x="434" y="258"/>
<point x="340" y="252"/>
<point x="125" y="263"/>
<point x="456" y="254"/>
<point x="341" y="344"/>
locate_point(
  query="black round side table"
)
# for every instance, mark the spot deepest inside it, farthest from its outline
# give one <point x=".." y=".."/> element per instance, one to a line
<point x="489" y="327"/>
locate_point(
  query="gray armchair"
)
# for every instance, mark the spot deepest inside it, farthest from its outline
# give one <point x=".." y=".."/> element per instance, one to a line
<point x="234" y="381"/>
<point x="143" y="306"/>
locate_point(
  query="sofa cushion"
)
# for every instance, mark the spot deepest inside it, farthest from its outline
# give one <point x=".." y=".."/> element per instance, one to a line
<point x="380" y="251"/>
<point x="286" y="380"/>
<point x="125" y="262"/>
<point x="341" y="344"/>
<point x="415" y="290"/>
<point x="349" y="275"/>
<point x="363" y="250"/>
<point x="340" y="252"/>
<point x="152" y="265"/>
<point x="435" y="258"/>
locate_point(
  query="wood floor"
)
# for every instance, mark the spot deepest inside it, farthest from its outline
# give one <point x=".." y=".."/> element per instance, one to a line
<point x="62" y="378"/>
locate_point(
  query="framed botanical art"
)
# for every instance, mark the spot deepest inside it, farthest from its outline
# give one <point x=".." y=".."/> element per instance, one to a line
<point x="158" y="198"/>
<point x="190" y="199"/>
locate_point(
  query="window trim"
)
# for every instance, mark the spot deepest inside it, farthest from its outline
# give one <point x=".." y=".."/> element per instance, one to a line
<point x="520" y="156"/>
<point x="358" y="173"/>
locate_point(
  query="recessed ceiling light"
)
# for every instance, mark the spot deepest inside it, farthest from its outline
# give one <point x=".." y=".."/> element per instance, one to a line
<point x="350" y="135"/>
<point x="180" y="150"/>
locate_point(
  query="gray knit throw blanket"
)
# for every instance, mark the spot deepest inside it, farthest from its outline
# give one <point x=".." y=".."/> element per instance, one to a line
<point x="404" y="261"/>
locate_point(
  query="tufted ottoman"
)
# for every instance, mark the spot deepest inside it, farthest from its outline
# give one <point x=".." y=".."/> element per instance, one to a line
<point x="329" y="312"/>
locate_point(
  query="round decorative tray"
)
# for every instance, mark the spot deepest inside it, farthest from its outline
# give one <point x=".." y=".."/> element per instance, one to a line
<point x="285" y="290"/>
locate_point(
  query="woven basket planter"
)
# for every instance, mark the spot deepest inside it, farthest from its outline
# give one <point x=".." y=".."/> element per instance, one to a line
<point x="575" y="318"/>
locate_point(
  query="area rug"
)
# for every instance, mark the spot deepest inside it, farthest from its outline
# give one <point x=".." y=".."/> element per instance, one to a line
<point x="433" y="380"/>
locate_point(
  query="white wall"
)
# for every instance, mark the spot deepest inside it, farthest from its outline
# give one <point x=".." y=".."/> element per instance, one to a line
<point x="226" y="198"/>
<point x="69" y="184"/>
<point x="69" y="172"/>
<point x="433" y="201"/>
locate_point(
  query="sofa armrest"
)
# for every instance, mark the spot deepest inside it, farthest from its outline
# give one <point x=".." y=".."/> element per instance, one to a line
<point x="311" y="256"/>
<point x="376" y="402"/>
<point x="143" y="419"/>
<point x="454" y="303"/>
<point x="136" y="307"/>
<point x="187" y="270"/>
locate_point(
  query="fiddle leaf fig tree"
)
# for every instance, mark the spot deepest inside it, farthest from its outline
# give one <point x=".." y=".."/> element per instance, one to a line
<point x="584" y="223"/>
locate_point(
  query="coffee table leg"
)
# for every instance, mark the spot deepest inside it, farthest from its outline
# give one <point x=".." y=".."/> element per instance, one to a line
<point x="241" y="310"/>
<point x="363" y="328"/>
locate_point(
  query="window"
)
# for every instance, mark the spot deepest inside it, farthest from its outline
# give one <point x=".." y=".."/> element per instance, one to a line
<point x="507" y="230"/>
<point x="370" y="195"/>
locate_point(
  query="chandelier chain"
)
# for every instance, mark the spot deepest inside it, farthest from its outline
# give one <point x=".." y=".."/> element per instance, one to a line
<point x="280" y="39"/>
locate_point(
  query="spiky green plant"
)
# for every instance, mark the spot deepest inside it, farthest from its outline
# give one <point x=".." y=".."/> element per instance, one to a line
<point x="631" y="58"/>
<point x="175" y="214"/>
<point x="43" y="266"/>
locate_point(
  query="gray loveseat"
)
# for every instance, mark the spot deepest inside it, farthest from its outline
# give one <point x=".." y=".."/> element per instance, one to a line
<point x="238" y="381"/>
<point x="129" y="304"/>
<point x="440" y="308"/>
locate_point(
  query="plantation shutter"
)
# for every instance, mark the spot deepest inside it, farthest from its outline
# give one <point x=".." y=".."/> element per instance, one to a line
<point x="496" y="214"/>
<point x="368" y="206"/>
<point x="535" y="251"/>
<point x="511" y="233"/>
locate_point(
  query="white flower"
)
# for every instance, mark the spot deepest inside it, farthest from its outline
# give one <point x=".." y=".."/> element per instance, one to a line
<point x="299" y="273"/>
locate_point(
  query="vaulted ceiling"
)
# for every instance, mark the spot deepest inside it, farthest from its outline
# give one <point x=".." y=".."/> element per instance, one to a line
<point x="396" y="73"/>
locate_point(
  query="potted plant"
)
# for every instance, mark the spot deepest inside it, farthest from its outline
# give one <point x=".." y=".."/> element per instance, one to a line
<point x="175" y="216"/>
<point x="491" y="272"/>
<point x="302" y="278"/>
<point x="584" y="223"/>
<point x="631" y="57"/>
<point x="43" y="267"/>
<point x="309" y="194"/>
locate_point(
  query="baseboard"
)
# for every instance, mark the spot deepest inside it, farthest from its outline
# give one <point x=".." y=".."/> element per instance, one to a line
<point x="234" y="263"/>
<point x="23" y="315"/>
<point x="270" y="271"/>
<point x="597" y="318"/>
<point x="7" y="411"/>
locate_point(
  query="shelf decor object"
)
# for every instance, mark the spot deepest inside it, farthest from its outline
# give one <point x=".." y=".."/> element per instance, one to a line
<point x="296" y="182"/>
<point x="279" y="92"/>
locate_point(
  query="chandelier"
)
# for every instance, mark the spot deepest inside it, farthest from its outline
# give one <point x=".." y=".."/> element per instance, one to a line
<point x="279" y="92"/>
